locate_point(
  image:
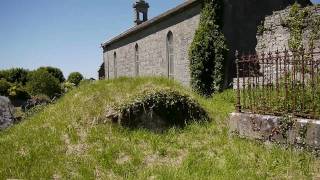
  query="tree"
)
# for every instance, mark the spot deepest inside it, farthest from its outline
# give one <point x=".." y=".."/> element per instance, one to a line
<point x="42" y="82"/>
<point x="15" y="75"/>
<point x="208" y="50"/>
<point x="4" y="87"/>
<point x="75" y="78"/>
<point x="55" y="72"/>
<point x="18" y="92"/>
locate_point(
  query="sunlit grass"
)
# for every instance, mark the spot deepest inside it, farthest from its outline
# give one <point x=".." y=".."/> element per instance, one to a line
<point x="69" y="139"/>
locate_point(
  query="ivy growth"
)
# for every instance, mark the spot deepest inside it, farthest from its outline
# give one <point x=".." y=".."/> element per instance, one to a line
<point x="315" y="28"/>
<point x="286" y="123"/>
<point x="261" y="28"/>
<point x="158" y="110"/>
<point x="303" y="133"/>
<point x="208" y="50"/>
<point x="299" y="19"/>
<point x="295" y="24"/>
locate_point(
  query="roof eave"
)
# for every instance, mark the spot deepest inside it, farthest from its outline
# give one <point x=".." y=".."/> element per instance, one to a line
<point x="151" y="21"/>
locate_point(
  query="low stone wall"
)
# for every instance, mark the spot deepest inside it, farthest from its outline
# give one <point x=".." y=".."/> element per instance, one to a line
<point x="285" y="130"/>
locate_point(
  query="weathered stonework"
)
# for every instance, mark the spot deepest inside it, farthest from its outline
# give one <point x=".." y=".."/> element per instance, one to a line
<point x="276" y="34"/>
<point x="296" y="131"/>
<point x="152" y="45"/>
<point x="240" y="20"/>
<point x="6" y="113"/>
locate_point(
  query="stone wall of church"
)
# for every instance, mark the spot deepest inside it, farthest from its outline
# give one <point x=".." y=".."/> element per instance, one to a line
<point x="241" y="19"/>
<point x="152" y="45"/>
<point x="276" y="35"/>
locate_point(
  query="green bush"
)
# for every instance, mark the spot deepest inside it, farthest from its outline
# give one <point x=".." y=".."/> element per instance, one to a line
<point x="4" y="87"/>
<point x="4" y="74"/>
<point x="18" y="92"/>
<point x="42" y="82"/>
<point x="15" y="75"/>
<point x="208" y="50"/>
<point x="300" y="20"/>
<point x="159" y="110"/>
<point x="295" y="23"/>
<point x="75" y="78"/>
<point x="55" y="72"/>
<point x="67" y="86"/>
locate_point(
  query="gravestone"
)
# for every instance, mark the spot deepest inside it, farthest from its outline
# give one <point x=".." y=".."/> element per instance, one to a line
<point x="6" y="113"/>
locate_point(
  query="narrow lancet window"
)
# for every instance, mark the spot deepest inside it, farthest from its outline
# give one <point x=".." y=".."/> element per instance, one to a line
<point x="115" y="64"/>
<point x="170" y="55"/>
<point x="136" y="60"/>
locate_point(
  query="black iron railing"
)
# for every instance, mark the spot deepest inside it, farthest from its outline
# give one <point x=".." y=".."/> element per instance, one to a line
<point x="279" y="83"/>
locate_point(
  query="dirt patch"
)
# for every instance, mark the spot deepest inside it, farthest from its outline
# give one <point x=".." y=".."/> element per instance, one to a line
<point x="122" y="159"/>
<point x="75" y="149"/>
<point x="156" y="159"/>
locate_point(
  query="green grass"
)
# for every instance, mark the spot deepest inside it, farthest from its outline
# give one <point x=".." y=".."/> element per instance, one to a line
<point x="70" y="140"/>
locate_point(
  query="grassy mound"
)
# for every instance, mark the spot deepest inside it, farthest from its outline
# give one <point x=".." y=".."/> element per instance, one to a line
<point x="72" y="140"/>
<point x="159" y="110"/>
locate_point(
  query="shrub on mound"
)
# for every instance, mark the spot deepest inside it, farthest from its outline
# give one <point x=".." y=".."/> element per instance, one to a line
<point x="158" y="111"/>
<point x="75" y="78"/>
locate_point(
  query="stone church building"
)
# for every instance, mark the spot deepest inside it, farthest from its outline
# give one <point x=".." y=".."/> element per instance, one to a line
<point x="159" y="47"/>
<point x="156" y="47"/>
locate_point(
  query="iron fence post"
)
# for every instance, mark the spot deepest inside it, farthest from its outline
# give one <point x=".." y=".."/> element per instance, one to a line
<point x="238" y="105"/>
<point x="289" y="83"/>
<point x="302" y="78"/>
<point x="277" y="73"/>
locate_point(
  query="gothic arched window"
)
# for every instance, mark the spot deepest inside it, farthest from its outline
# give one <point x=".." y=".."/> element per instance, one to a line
<point x="115" y="64"/>
<point x="170" y="55"/>
<point x="136" y="59"/>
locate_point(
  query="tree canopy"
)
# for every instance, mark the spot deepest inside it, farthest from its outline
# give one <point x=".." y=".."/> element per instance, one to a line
<point x="75" y="78"/>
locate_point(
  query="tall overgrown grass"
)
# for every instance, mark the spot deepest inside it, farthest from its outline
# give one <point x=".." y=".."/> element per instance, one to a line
<point x="71" y="140"/>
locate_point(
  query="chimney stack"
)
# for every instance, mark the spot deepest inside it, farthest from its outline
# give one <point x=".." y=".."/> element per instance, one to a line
<point x="140" y="8"/>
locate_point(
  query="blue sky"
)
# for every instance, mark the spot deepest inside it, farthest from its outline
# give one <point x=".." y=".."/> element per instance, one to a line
<point x="64" y="33"/>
